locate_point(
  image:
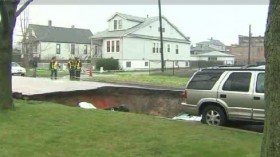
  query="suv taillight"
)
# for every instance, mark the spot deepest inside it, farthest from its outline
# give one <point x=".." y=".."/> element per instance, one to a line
<point x="185" y="94"/>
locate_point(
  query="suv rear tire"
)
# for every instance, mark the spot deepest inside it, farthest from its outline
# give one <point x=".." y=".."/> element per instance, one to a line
<point x="213" y="115"/>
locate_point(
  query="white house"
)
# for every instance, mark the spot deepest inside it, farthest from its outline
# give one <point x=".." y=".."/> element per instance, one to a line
<point x="135" y="42"/>
<point x="208" y="46"/>
<point x="48" y="41"/>
<point x="227" y="59"/>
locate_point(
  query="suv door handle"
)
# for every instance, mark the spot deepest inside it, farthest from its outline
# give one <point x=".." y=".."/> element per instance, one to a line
<point x="256" y="98"/>
<point x="223" y="96"/>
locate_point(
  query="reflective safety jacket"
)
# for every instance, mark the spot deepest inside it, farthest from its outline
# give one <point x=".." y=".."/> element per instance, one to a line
<point x="70" y="65"/>
<point x="54" y="65"/>
<point x="78" y="65"/>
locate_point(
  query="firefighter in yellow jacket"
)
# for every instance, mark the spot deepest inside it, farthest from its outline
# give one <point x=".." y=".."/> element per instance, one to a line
<point x="78" y="66"/>
<point x="71" y="68"/>
<point x="54" y="67"/>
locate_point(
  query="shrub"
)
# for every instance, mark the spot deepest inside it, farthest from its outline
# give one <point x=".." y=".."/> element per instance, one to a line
<point x="107" y="64"/>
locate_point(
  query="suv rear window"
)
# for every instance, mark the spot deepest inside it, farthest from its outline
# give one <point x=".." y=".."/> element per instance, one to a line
<point x="204" y="80"/>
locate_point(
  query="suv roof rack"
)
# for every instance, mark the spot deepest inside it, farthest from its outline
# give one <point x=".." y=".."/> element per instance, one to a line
<point x="235" y="68"/>
<point x="228" y="69"/>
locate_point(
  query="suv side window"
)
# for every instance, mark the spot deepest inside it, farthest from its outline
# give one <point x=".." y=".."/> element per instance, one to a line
<point x="260" y="83"/>
<point x="239" y="82"/>
<point x="204" y="80"/>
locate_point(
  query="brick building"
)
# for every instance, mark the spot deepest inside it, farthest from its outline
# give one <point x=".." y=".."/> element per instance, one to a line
<point x="240" y="51"/>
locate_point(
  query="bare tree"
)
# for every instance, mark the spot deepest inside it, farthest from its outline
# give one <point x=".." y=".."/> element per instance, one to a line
<point x="271" y="139"/>
<point x="8" y="14"/>
<point x="25" y="45"/>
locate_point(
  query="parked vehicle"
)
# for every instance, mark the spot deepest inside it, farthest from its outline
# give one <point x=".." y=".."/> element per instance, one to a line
<point x="222" y="94"/>
<point x="16" y="69"/>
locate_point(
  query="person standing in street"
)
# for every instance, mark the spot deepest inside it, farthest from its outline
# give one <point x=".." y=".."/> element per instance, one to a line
<point x="34" y="66"/>
<point x="53" y="67"/>
<point x="71" y="68"/>
<point x="78" y="66"/>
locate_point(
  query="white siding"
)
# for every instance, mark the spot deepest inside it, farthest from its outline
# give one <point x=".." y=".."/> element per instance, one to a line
<point x="48" y="50"/>
<point x="135" y="64"/>
<point x="135" y="48"/>
<point x="125" y="23"/>
<point x="153" y="30"/>
<point x="226" y="60"/>
<point x="139" y="51"/>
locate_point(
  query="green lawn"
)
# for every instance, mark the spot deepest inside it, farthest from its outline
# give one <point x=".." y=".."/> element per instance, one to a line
<point x="40" y="129"/>
<point x="142" y="79"/>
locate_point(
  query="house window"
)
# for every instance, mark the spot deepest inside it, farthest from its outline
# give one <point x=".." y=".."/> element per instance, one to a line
<point x="113" y="46"/>
<point x="115" y="24"/>
<point x="85" y="49"/>
<point x="212" y="58"/>
<point x="118" y="46"/>
<point x="177" y="49"/>
<point x="128" y="64"/>
<point x="168" y="48"/>
<point x="163" y="29"/>
<point x="120" y="24"/>
<point x="108" y="46"/>
<point x="154" y="48"/>
<point x="146" y="64"/>
<point x="72" y="49"/>
<point x="157" y="47"/>
<point x="176" y="63"/>
<point x="57" y="48"/>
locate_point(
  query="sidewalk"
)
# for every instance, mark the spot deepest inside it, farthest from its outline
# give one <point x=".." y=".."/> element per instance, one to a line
<point x="33" y="86"/>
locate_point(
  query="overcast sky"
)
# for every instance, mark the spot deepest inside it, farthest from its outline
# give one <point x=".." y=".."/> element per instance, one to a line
<point x="200" y="21"/>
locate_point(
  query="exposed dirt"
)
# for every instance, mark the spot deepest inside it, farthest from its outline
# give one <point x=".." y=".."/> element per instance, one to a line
<point x="157" y="102"/>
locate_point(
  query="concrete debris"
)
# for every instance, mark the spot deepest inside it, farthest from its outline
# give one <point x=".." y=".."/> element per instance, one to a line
<point x="187" y="117"/>
<point x="86" y="105"/>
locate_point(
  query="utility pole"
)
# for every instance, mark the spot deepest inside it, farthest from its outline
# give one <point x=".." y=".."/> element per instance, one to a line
<point x="249" y="48"/>
<point x="161" y="41"/>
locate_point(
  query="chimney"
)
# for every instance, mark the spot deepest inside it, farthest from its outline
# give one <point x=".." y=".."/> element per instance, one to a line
<point x="50" y="23"/>
<point x="73" y="26"/>
<point x="147" y="16"/>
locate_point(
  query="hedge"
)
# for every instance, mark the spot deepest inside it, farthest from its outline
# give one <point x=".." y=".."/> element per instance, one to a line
<point x="107" y="64"/>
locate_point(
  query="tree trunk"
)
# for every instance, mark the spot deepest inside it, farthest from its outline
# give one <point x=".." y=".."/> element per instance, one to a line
<point x="271" y="139"/>
<point x="7" y="24"/>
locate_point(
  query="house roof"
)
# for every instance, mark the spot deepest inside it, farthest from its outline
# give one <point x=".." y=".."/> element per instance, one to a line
<point x="212" y="42"/>
<point x="61" y="34"/>
<point x="127" y="32"/>
<point x="203" y="49"/>
<point x="215" y="54"/>
<point x="128" y="17"/>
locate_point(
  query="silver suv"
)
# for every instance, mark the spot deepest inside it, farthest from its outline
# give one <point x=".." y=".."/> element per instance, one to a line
<point x="220" y="95"/>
